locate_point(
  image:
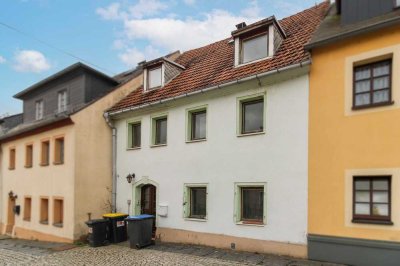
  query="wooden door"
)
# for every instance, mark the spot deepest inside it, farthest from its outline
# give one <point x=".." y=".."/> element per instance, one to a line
<point x="10" y="215"/>
<point x="148" y="203"/>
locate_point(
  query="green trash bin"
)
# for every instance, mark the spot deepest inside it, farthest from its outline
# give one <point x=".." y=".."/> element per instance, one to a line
<point x="117" y="227"/>
<point x="140" y="230"/>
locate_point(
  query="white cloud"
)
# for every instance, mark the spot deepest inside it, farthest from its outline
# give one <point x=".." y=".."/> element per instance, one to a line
<point x="132" y="56"/>
<point x="30" y="61"/>
<point x="112" y="12"/>
<point x="169" y="33"/>
<point x="189" y="2"/>
<point x="2" y="60"/>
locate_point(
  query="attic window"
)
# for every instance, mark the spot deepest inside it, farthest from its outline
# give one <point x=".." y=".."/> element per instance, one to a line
<point x="154" y="77"/>
<point x="254" y="48"/>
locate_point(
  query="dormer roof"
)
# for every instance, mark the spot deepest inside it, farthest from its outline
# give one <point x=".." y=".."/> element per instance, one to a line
<point x="244" y="29"/>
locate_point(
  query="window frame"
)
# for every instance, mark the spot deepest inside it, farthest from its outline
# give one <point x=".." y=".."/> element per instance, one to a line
<point x="29" y="155"/>
<point x="43" y="214"/>
<point x="12" y="158"/>
<point x="153" y="122"/>
<point x="59" y="159"/>
<point x="27" y="211"/>
<point x="249" y="37"/>
<point x="240" y="111"/>
<point x="130" y="142"/>
<point x="246" y="220"/>
<point x="39" y="109"/>
<point x="61" y="92"/>
<point x="44" y="162"/>
<point x="238" y="203"/>
<point x="187" y="201"/>
<point x="60" y="221"/>
<point x="372" y="219"/>
<point x="152" y="68"/>
<point x="371" y="89"/>
<point x="189" y="123"/>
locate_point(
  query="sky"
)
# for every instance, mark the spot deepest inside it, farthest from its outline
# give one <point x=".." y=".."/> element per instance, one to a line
<point x="41" y="37"/>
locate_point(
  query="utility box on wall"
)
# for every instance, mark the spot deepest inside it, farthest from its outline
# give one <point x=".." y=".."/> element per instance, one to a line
<point x="162" y="210"/>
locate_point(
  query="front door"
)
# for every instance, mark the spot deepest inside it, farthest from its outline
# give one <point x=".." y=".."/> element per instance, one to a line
<point x="148" y="203"/>
<point x="10" y="215"/>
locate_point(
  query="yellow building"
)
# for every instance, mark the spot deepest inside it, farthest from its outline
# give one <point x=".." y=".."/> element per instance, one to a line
<point x="56" y="167"/>
<point x="354" y="135"/>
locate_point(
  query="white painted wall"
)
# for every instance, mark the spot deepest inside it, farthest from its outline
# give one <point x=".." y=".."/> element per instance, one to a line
<point x="278" y="157"/>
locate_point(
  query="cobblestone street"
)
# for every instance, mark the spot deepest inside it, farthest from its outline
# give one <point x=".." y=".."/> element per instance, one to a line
<point x="22" y="252"/>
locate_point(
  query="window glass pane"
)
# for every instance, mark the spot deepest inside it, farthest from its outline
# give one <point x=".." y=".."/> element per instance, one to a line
<point x="380" y="197"/>
<point x="253" y="116"/>
<point x="397" y="3"/>
<point x="154" y="77"/>
<point x="362" y="99"/>
<point x="363" y="86"/>
<point x="252" y="203"/>
<point x="199" y="125"/>
<point x="380" y="185"/>
<point x="381" y="96"/>
<point x="198" y="204"/>
<point x="136" y="135"/>
<point x="362" y="185"/>
<point x="363" y="73"/>
<point x="161" y="131"/>
<point x="381" y="83"/>
<point x="362" y="196"/>
<point x="362" y="209"/>
<point x="381" y="69"/>
<point x="255" y="48"/>
<point x="380" y="209"/>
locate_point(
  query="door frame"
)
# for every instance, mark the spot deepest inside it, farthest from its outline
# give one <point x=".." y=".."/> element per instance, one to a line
<point x="137" y="194"/>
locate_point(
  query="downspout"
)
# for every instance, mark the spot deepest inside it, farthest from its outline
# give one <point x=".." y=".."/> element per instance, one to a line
<point x="114" y="162"/>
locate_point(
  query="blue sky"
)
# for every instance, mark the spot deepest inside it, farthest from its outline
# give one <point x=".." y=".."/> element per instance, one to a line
<point x="112" y="35"/>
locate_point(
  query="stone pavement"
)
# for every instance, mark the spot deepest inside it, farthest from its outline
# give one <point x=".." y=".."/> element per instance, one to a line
<point x="24" y="252"/>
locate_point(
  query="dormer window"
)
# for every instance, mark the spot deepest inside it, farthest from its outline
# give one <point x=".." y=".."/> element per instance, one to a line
<point x="158" y="72"/>
<point x="257" y="41"/>
<point x="254" y="48"/>
<point x="155" y="78"/>
<point x="39" y="109"/>
<point x="62" y="101"/>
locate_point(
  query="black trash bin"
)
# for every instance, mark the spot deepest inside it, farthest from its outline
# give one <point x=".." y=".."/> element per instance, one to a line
<point x="140" y="230"/>
<point x="98" y="232"/>
<point x="117" y="227"/>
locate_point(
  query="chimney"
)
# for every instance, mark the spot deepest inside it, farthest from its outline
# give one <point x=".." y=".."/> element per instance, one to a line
<point x="241" y="25"/>
<point x="142" y="63"/>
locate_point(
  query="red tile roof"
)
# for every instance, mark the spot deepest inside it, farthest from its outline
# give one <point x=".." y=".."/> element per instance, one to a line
<point x="214" y="64"/>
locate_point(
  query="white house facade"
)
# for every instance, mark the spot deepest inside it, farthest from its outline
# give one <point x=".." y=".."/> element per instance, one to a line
<point x="219" y="154"/>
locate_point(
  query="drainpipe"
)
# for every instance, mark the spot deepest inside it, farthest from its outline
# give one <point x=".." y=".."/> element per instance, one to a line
<point x="114" y="162"/>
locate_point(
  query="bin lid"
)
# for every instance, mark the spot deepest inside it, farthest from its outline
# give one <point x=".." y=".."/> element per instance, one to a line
<point x="114" y="215"/>
<point x="140" y="217"/>
<point x="96" y="221"/>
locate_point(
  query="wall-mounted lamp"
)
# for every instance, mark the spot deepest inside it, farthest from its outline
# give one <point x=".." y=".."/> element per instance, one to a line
<point x="130" y="177"/>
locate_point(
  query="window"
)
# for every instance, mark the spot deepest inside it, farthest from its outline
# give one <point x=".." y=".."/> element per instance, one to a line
<point x="11" y="164"/>
<point x="44" y="210"/>
<point x="39" y="109"/>
<point x="154" y="77"/>
<point x="252" y="115"/>
<point x="135" y="135"/>
<point x="29" y="156"/>
<point x="372" y="85"/>
<point x="62" y="101"/>
<point x="45" y="153"/>
<point x="253" y="48"/>
<point x="160" y="131"/>
<point x="372" y="199"/>
<point x="58" y="212"/>
<point x="198" y="123"/>
<point x="27" y="208"/>
<point x="195" y="201"/>
<point x="59" y="151"/>
<point x="252" y="204"/>
<point x="397" y="3"/>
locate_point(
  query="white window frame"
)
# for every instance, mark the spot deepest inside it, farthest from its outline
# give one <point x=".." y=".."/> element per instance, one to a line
<point x="147" y="75"/>
<point x="62" y="99"/>
<point x="186" y="201"/>
<point x="39" y="109"/>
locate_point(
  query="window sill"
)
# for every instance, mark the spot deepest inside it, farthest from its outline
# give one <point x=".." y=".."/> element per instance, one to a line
<point x="379" y="222"/>
<point x="251" y="134"/>
<point x="196" y="140"/>
<point x="195" y="219"/>
<point x="356" y="108"/>
<point x="44" y="222"/>
<point x="44" y="164"/>
<point x="58" y="163"/>
<point x="252" y="62"/>
<point x="9" y="168"/>
<point x="251" y="224"/>
<point x="60" y="225"/>
<point x="133" y="149"/>
<point x="28" y="166"/>
<point x="157" y="145"/>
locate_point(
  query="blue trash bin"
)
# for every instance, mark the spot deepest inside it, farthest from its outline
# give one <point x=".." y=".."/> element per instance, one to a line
<point x="140" y="230"/>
